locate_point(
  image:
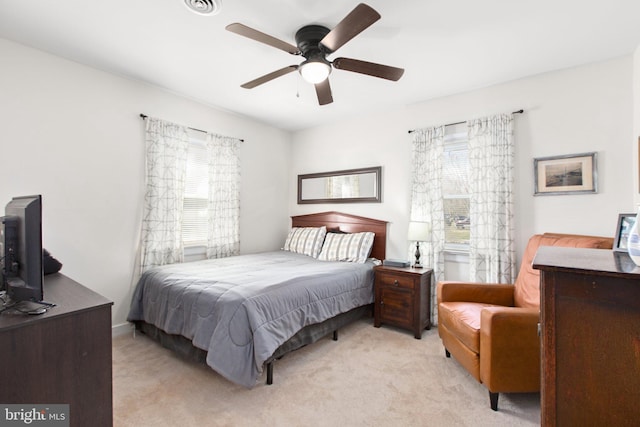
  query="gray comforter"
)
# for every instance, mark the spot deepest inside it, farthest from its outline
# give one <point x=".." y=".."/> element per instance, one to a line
<point x="241" y="309"/>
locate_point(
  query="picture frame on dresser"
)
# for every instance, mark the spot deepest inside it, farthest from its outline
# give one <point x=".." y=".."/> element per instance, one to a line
<point x="625" y="222"/>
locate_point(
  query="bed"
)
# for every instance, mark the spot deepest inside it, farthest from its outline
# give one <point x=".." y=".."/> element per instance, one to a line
<point x="240" y="314"/>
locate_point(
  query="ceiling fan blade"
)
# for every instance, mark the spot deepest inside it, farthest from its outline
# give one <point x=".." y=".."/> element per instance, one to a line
<point x="261" y="37"/>
<point x="369" y="68"/>
<point x="269" y="77"/>
<point x="353" y="24"/>
<point x="323" y="90"/>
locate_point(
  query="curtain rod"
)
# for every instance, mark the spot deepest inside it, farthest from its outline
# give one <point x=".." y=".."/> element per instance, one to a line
<point x="459" y="123"/>
<point x="144" y="117"/>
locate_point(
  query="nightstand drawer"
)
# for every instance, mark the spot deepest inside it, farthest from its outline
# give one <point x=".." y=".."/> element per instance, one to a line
<point x="396" y="280"/>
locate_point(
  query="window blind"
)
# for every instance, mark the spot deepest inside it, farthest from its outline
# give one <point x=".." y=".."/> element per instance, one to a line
<point x="195" y="218"/>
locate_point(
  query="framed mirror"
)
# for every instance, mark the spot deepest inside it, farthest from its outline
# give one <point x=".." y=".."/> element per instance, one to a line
<point x="346" y="186"/>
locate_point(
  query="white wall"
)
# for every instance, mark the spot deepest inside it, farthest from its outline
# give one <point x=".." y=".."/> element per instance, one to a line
<point x="569" y="111"/>
<point x="74" y="135"/>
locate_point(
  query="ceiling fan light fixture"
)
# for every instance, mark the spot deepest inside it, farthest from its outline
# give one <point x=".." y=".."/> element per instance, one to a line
<point x="314" y="43"/>
<point x="315" y="70"/>
<point x="204" y="7"/>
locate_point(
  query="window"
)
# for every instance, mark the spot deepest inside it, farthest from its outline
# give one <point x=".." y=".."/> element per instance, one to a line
<point x="196" y="195"/>
<point x="455" y="188"/>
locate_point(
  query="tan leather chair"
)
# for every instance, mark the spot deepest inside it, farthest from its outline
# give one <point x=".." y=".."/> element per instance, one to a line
<point x="492" y="329"/>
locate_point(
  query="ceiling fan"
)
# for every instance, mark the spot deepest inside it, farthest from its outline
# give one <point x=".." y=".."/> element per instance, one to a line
<point x="314" y="43"/>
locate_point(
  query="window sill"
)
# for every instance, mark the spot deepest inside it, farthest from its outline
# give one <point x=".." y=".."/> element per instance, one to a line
<point x="195" y="253"/>
<point x="456" y="255"/>
<point x="456" y="248"/>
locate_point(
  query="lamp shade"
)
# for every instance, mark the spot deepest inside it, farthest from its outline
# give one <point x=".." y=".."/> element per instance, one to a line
<point x="315" y="70"/>
<point x="419" y="231"/>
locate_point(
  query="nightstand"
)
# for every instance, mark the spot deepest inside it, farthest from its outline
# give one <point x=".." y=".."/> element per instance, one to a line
<point x="403" y="298"/>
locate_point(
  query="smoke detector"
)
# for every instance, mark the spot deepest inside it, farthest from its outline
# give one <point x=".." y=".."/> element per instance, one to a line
<point x="204" y="7"/>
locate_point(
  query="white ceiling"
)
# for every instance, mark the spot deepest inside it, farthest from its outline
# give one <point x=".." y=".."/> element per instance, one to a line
<point x="445" y="46"/>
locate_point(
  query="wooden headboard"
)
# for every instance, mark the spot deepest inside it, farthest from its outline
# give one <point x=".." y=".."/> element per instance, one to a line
<point x="347" y="223"/>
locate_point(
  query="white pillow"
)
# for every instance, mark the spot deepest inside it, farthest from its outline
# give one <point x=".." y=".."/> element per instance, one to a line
<point x="350" y="247"/>
<point x="305" y="240"/>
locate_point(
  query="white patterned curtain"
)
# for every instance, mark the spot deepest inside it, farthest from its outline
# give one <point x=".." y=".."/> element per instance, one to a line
<point x="427" y="202"/>
<point x="166" y="162"/>
<point x="491" y="159"/>
<point x="223" y="237"/>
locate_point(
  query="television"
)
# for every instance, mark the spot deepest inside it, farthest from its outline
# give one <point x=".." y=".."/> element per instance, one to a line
<point x="21" y="252"/>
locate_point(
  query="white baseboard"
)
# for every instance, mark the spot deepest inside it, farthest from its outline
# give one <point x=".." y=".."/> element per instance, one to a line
<point x="121" y="329"/>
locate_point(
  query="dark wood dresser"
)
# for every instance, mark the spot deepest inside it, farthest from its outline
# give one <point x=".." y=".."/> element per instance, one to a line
<point x="403" y="298"/>
<point x="62" y="356"/>
<point x="590" y="331"/>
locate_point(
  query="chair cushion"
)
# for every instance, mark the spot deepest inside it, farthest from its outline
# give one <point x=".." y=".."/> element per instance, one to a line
<point x="527" y="286"/>
<point x="463" y="321"/>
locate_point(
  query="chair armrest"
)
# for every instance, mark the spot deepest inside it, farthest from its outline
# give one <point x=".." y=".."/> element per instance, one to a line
<point x="488" y="293"/>
<point x="510" y="349"/>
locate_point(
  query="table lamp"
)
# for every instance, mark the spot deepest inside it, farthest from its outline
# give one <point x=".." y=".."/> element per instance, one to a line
<point x="419" y="231"/>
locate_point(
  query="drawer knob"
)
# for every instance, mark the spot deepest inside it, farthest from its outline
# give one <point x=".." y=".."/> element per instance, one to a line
<point x="395" y="283"/>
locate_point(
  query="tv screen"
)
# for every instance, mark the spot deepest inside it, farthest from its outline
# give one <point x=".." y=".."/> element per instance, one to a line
<point x="22" y="272"/>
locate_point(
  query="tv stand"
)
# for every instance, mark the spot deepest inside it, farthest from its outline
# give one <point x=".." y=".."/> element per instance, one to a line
<point x="25" y="308"/>
<point x="62" y="356"/>
<point x="37" y="311"/>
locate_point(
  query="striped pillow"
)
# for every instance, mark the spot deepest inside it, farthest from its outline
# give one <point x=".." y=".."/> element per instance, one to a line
<point x="353" y="247"/>
<point x="305" y="240"/>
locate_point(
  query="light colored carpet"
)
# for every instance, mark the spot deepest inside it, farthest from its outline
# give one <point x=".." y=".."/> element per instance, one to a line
<point x="369" y="377"/>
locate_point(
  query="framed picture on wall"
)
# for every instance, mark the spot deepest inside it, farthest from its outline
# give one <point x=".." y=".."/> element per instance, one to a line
<point x="625" y="222"/>
<point x="568" y="174"/>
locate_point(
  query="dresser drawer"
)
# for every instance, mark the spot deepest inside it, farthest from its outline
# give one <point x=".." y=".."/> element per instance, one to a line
<point x="395" y="280"/>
